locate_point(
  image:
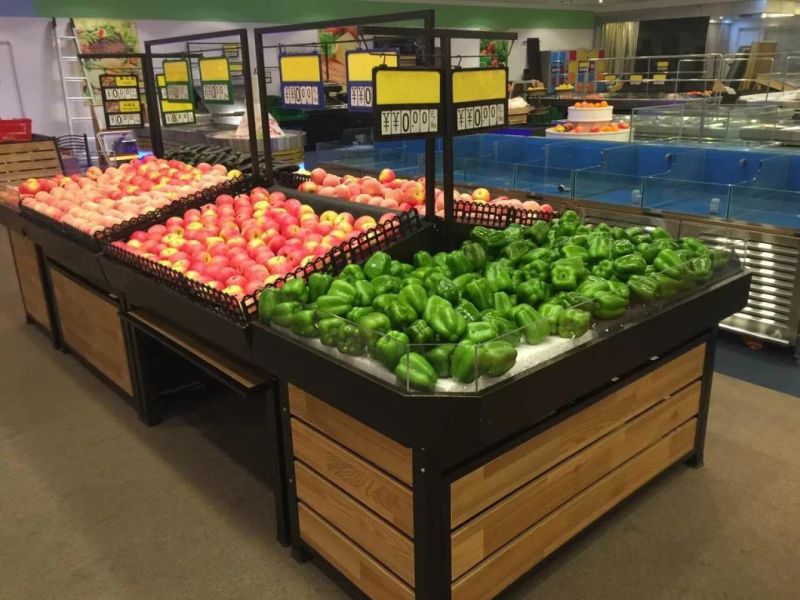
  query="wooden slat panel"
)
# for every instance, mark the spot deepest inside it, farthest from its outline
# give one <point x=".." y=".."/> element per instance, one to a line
<point x="384" y="495"/>
<point x="359" y="567"/>
<point x="30" y="278"/>
<point x="91" y="326"/>
<point x="49" y="154"/>
<point x="236" y="371"/>
<point x="495" y="527"/>
<point x="354" y="435"/>
<point x="358" y="523"/>
<point x="19" y="176"/>
<point x="14" y="148"/>
<point x="486" y="485"/>
<point x="505" y="566"/>
<point x="14" y="166"/>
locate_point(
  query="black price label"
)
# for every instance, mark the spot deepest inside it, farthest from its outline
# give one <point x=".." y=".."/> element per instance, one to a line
<point x="122" y="103"/>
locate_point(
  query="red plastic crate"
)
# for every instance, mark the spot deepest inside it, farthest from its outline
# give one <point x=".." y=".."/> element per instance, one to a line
<point x="15" y="130"/>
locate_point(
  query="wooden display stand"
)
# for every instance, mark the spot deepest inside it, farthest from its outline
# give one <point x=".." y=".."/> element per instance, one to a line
<point x="29" y="266"/>
<point x="354" y="495"/>
<point x="24" y="160"/>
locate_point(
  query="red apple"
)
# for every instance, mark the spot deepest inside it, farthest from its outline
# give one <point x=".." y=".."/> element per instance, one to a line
<point x="386" y="176"/>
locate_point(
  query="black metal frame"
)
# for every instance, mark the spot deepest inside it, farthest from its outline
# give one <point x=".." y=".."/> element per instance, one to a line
<point x="151" y="89"/>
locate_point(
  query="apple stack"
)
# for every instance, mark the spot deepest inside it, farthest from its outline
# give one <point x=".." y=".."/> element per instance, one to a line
<point x="591" y="120"/>
<point x="101" y="199"/>
<point x="240" y="244"/>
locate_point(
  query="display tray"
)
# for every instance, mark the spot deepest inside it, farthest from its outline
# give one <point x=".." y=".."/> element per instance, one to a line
<point x="543" y="382"/>
<point x="607" y="136"/>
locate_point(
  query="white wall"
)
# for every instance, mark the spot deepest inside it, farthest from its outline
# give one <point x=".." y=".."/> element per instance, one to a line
<point x="549" y="39"/>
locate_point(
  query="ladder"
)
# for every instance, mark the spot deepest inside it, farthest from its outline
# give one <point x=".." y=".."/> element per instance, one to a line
<point x="77" y="90"/>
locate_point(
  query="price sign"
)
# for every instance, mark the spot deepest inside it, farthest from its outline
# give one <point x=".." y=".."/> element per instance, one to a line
<point x="636" y="80"/>
<point x="662" y="65"/>
<point x="230" y="50"/>
<point x="359" y="65"/>
<point x="122" y="103"/>
<point x="479" y="99"/>
<point x="173" y="113"/>
<point x="583" y="67"/>
<point x="610" y="78"/>
<point x="215" y="80"/>
<point x="301" y="81"/>
<point x="406" y="102"/>
<point x="659" y="78"/>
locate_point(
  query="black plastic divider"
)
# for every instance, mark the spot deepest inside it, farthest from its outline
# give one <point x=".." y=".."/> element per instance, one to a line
<point x="289" y="177"/>
<point x="10" y="218"/>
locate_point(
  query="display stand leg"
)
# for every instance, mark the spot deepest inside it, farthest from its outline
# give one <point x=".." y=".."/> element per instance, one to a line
<point x="148" y="407"/>
<point x="697" y="457"/>
<point x="52" y="313"/>
<point x="276" y="464"/>
<point x="431" y="527"/>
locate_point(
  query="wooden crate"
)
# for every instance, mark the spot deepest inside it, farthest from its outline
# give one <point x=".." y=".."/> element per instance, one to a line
<point x="90" y="326"/>
<point x="23" y="160"/>
<point x="29" y="275"/>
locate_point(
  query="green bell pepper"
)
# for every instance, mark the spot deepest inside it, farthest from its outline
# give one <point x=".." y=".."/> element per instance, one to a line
<point x="545" y="254"/>
<point x="648" y="251"/>
<point x="481" y="331"/>
<point x="355" y="313"/>
<point x="573" y="322"/>
<point x="492" y="240"/>
<point x="365" y="293"/>
<point x="535" y="327"/>
<point x="700" y="268"/>
<point x="328" y="305"/>
<point x="440" y="260"/>
<point x="622" y="248"/>
<point x="462" y="280"/>
<point x="551" y="313"/>
<point x="267" y="301"/>
<point x="642" y="238"/>
<point x="383" y="301"/>
<point x="620" y="289"/>
<point x="421" y="273"/>
<point x="295" y="289"/>
<point x="464" y="362"/>
<point x="391" y="348"/>
<point x="419" y="332"/>
<point x="423" y="258"/>
<point x="506" y="329"/>
<point x="318" y="285"/>
<point x="694" y="244"/>
<point x="440" y="357"/>
<point x="328" y="329"/>
<point x="378" y="264"/>
<point x="538" y="232"/>
<point x="475" y="254"/>
<point x="468" y="310"/>
<point x="515" y="231"/>
<point x="372" y="326"/>
<point x="670" y="264"/>
<point x="580" y="239"/>
<point x="644" y="287"/>
<point x="503" y="304"/>
<point x="341" y="288"/>
<point x="618" y="233"/>
<point x="533" y="291"/>
<point x="496" y="358"/>
<point x="604" y="269"/>
<point x="685" y="255"/>
<point x="445" y="321"/>
<point x="479" y="293"/>
<point x="720" y="258"/>
<point x="457" y="263"/>
<point x="499" y="278"/>
<point x="591" y="287"/>
<point x="516" y="250"/>
<point x="573" y="251"/>
<point x="349" y="341"/>
<point x="415" y="295"/>
<point x="400" y="313"/>
<point x="440" y="285"/>
<point x="667" y="286"/>
<point x="352" y="273"/>
<point x="632" y="232"/>
<point x="538" y="269"/>
<point x="399" y="269"/>
<point x="564" y="277"/>
<point x="607" y="305"/>
<point x="304" y="324"/>
<point x="414" y="371"/>
<point x="630" y="264"/>
<point x="576" y="263"/>
<point x="665" y="244"/>
<point x="604" y="227"/>
<point x="517" y="277"/>
<point x="659" y="233"/>
<point x="386" y="284"/>
<point x="284" y="312"/>
<point x="600" y="248"/>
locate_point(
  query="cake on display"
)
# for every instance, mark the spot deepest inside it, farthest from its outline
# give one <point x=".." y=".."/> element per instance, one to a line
<point x="591" y="120"/>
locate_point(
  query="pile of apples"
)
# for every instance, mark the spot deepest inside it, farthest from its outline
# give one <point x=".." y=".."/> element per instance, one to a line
<point x="389" y="191"/>
<point x="101" y="199"/>
<point x="240" y="244"/>
<point x="595" y="128"/>
<point x="601" y="104"/>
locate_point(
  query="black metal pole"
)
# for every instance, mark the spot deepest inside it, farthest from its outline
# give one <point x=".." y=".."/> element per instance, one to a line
<point x="264" y="107"/>
<point x="249" y="102"/>
<point x="447" y="139"/>
<point x="430" y="143"/>
<point x="151" y="97"/>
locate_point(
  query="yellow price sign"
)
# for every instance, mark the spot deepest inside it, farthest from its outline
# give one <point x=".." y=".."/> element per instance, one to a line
<point x="176" y="71"/>
<point x="215" y="80"/>
<point x="636" y="79"/>
<point x="214" y="69"/>
<point x="478" y="85"/>
<point x="407" y="102"/>
<point x="662" y="65"/>
<point x="300" y="68"/>
<point x="129" y="106"/>
<point x="126" y="81"/>
<point x="659" y="78"/>
<point x="610" y="78"/>
<point x="360" y="63"/>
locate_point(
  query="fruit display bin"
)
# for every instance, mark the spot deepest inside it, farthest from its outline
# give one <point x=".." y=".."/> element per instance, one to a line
<point x="451" y="495"/>
<point x="220" y="318"/>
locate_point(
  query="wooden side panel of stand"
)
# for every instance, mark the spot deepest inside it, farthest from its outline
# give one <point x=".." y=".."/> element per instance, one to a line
<point x="493" y="528"/>
<point x="364" y="441"/>
<point x="360" y="568"/>
<point x="509" y="563"/>
<point x="483" y="487"/>
<point x="30" y="278"/>
<point x="91" y="326"/>
<point x="23" y="160"/>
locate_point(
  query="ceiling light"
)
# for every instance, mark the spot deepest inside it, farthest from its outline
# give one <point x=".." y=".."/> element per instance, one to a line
<point x="599" y="1"/>
<point x="776" y="15"/>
